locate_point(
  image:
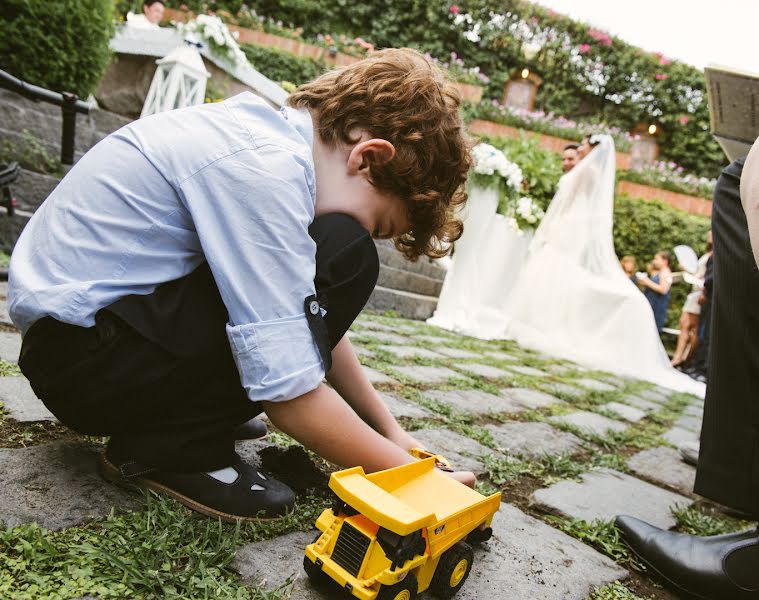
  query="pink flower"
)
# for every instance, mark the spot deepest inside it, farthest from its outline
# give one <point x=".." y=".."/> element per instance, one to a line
<point x="454" y="9"/>
<point x="684" y="120"/>
<point x="660" y="77"/>
<point x="664" y="61"/>
<point x="584" y="48"/>
<point x="183" y="7"/>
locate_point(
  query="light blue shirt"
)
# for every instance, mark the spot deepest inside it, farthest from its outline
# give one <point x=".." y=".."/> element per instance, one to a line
<point x="231" y="183"/>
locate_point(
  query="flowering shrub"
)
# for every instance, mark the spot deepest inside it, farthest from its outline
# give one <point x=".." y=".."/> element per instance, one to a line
<point x="457" y="70"/>
<point x="671" y="176"/>
<point x="213" y="32"/>
<point x="547" y="123"/>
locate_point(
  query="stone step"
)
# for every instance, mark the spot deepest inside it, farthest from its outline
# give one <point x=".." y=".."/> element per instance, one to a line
<point x="31" y="189"/>
<point x="398" y="279"/>
<point x="10" y="229"/>
<point x="390" y="257"/>
<point x="406" y="304"/>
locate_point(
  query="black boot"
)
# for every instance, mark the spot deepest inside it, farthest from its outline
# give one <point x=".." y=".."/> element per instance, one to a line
<point x="723" y="567"/>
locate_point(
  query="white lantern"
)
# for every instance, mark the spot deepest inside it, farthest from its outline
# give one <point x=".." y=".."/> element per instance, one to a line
<point x="179" y="81"/>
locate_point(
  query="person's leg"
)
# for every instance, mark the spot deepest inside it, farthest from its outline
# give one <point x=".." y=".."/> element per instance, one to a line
<point x="728" y="464"/>
<point x="682" y="339"/>
<point x="175" y="410"/>
<point x="692" y="344"/>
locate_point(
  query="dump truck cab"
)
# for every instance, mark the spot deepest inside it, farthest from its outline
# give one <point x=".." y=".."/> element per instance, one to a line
<point x="391" y="534"/>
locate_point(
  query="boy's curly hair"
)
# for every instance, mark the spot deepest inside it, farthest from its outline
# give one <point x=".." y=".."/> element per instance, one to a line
<point x="399" y="96"/>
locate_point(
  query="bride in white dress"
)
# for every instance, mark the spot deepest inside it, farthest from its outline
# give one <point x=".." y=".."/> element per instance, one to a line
<point x="572" y="299"/>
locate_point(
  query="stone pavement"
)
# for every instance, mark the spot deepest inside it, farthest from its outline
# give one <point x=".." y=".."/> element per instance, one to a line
<point x="473" y="401"/>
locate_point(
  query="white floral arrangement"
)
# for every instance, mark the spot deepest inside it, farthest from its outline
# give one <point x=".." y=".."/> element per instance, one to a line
<point x="524" y="214"/>
<point x="491" y="167"/>
<point x="212" y="31"/>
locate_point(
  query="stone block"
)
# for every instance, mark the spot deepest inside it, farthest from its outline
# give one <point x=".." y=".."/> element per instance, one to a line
<point x="528" y="559"/>
<point x="604" y="494"/>
<point x="389" y="256"/>
<point x="503" y="356"/>
<point x="533" y="440"/>
<point x="384" y="337"/>
<point x="362" y="352"/>
<point x="10" y="346"/>
<point x="375" y="377"/>
<point x="400" y="407"/>
<point x="530" y="398"/>
<point x="694" y="411"/>
<point x="20" y="401"/>
<point x="475" y="402"/>
<point x="664" y="466"/>
<point x="558" y="387"/>
<point x="590" y="422"/>
<point x="31" y="189"/>
<point x="56" y="485"/>
<point x="595" y="385"/>
<point x="485" y="371"/>
<point x="410" y="352"/>
<point x="658" y="395"/>
<point x="689" y="422"/>
<point x="5" y="318"/>
<point x="628" y="413"/>
<point x="530" y="371"/>
<point x="401" y="279"/>
<point x="642" y="404"/>
<point x="462" y="452"/>
<point x="456" y="353"/>
<point x="678" y="435"/>
<point x="429" y="375"/>
<point x="407" y="304"/>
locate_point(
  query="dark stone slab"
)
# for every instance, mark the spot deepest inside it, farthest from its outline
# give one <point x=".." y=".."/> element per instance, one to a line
<point x="56" y="485"/>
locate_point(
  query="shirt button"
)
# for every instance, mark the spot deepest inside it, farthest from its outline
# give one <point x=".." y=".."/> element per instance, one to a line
<point x="313" y="307"/>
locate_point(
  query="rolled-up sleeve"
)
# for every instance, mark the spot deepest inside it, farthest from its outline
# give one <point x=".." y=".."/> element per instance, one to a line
<point x="252" y="210"/>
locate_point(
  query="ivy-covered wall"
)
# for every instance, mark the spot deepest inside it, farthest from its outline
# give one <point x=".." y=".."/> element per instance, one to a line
<point x="586" y="73"/>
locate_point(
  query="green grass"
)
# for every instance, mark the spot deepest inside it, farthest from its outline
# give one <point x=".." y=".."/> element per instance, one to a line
<point x="700" y="521"/>
<point x="163" y="551"/>
<point x="615" y="591"/>
<point x="8" y="369"/>
<point x="602" y="535"/>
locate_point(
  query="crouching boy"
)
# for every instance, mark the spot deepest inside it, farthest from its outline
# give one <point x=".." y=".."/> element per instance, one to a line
<point x="200" y="266"/>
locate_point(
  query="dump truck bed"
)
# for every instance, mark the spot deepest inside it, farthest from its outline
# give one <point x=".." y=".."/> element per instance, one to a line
<point x="406" y="498"/>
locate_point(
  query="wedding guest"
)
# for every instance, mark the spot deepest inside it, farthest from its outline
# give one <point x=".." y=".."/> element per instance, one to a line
<point x="570" y="157"/>
<point x="658" y="287"/>
<point x="689" y="319"/>
<point x="722" y="567"/>
<point x="152" y="13"/>
<point x="629" y="264"/>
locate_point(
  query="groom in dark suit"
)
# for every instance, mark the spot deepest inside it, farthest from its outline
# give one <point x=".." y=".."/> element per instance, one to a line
<point x="723" y="567"/>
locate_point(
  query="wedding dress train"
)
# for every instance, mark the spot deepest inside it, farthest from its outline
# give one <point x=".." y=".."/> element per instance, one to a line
<point x="570" y="298"/>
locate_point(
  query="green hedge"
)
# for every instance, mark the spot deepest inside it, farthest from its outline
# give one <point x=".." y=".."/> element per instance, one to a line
<point x="60" y="45"/>
<point x="644" y="228"/>
<point x="280" y="66"/>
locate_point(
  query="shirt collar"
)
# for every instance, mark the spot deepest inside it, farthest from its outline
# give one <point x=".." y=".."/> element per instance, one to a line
<point x="300" y="118"/>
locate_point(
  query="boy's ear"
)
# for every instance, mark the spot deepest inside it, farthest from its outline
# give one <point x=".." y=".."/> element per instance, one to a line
<point x="375" y="151"/>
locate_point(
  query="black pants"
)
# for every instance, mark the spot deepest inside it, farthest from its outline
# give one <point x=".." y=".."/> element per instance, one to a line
<point x="728" y="467"/>
<point x="156" y="373"/>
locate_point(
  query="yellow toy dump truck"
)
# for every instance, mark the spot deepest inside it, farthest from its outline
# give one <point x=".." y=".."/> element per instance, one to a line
<point x="393" y="534"/>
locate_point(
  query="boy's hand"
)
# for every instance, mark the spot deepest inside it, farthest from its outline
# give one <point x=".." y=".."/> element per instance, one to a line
<point x="465" y="477"/>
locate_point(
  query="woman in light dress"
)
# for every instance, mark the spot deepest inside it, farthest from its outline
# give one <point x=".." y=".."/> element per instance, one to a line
<point x="571" y="299"/>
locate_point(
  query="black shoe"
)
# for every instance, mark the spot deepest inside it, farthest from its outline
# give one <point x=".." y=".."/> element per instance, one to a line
<point x="709" y="568"/>
<point x="250" y="497"/>
<point x="251" y="430"/>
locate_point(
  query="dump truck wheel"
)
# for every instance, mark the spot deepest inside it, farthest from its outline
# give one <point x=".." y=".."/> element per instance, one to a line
<point x="452" y="571"/>
<point x="315" y="574"/>
<point x="405" y="590"/>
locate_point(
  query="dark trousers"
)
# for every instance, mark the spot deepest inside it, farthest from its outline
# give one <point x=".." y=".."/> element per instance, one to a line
<point x="728" y="467"/>
<point x="156" y="373"/>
